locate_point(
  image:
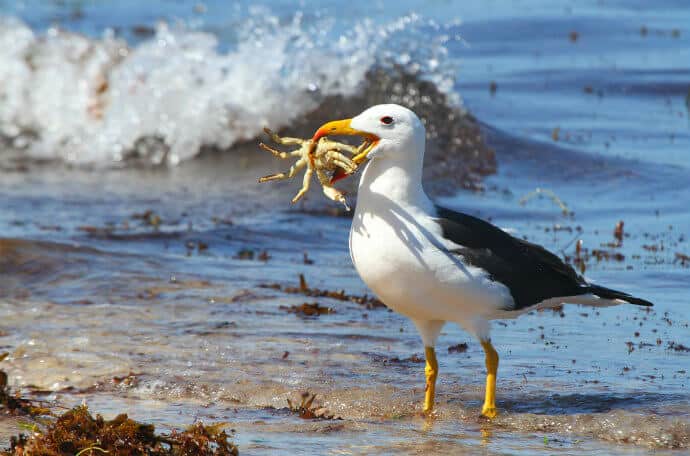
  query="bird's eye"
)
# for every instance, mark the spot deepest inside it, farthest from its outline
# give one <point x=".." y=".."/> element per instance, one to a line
<point x="386" y="120"/>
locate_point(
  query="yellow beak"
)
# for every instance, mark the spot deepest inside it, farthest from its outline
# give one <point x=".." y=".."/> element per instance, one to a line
<point x="343" y="128"/>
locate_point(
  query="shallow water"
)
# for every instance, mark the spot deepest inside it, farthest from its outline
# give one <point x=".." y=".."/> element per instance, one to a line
<point x="90" y="291"/>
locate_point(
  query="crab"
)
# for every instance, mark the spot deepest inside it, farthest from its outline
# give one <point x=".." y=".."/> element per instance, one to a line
<point x="325" y="157"/>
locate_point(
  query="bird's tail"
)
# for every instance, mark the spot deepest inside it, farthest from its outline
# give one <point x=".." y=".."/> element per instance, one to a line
<point x="607" y="293"/>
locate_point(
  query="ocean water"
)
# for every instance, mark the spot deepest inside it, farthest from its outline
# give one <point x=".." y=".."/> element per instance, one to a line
<point x="112" y="109"/>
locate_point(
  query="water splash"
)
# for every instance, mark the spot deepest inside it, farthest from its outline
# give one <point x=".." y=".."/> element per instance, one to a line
<point x="101" y="102"/>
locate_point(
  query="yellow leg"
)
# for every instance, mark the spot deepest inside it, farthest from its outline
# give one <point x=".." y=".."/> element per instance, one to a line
<point x="489" y="408"/>
<point x="431" y="372"/>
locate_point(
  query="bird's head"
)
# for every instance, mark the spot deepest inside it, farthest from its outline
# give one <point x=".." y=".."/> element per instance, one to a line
<point x="392" y="131"/>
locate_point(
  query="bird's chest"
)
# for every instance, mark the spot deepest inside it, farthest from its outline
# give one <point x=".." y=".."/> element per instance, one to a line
<point x="380" y="252"/>
<point x="397" y="257"/>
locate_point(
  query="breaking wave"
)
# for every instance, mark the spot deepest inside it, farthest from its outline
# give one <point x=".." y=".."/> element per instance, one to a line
<point x="103" y="102"/>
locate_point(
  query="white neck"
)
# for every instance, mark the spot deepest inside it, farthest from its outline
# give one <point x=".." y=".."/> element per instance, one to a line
<point x="397" y="179"/>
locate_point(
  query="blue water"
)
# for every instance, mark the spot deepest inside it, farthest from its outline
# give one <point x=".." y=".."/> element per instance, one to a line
<point x="591" y="101"/>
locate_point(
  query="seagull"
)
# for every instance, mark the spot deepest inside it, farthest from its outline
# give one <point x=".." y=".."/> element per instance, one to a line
<point x="434" y="265"/>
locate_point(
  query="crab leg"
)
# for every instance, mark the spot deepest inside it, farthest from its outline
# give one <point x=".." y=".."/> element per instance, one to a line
<point x="305" y="185"/>
<point x="280" y="153"/>
<point x="336" y="146"/>
<point x="341" y="161"/>
<point x="284" y="140"/>
<point x="331" y="192"/>
<point x="299" y="164"/>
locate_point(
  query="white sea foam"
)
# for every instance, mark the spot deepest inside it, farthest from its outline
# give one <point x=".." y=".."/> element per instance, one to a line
<point x="99" y="101"/>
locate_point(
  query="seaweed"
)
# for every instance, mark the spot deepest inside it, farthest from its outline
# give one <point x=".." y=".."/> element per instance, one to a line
<point x="14" y="404"/>
<point x="548" y="193"/>
<point x="77" y="432"/>
<point x="249" y="254"/>
<point x="148" y="218"/>
<point x="309" y="309"/>
<point x="683" y="258"/>
<point x="459" y="348"/>
<point x="618" y="232"/>
<point x="416" y="359"/>
<point x="307" y="411"/>
<point x="304" y="289"/>
<point x="675" y="346"/>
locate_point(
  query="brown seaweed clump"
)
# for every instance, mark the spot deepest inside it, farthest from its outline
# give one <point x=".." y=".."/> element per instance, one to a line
<point x="308" y="309"/>
<point x="304" y="289"/>
<point x="459" y="348"/>
<point x="307" y="411"/>
<point x="77" y="432"/>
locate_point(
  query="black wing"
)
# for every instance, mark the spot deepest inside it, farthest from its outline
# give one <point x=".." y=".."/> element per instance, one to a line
<point x="531" y="273"/>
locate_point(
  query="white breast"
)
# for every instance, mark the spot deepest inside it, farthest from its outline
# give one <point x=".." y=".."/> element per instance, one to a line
<point x="400" y="253"/>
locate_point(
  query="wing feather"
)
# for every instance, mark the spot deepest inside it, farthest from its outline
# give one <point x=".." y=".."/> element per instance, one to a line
<point x="531" y="273"/>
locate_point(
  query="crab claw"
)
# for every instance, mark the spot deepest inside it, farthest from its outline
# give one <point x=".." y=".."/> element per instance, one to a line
<point x="336" y="195"/>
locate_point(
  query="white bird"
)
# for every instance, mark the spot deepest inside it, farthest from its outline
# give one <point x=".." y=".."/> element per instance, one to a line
<point x="434" y="265"/>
